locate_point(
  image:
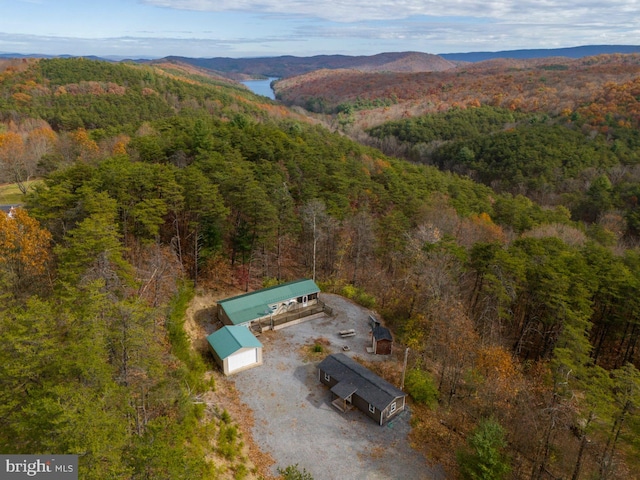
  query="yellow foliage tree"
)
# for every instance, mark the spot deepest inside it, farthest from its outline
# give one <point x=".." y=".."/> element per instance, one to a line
<point x="501" y="374"/>
<point x="86" y="147"/>
<point x="120" y="145"/>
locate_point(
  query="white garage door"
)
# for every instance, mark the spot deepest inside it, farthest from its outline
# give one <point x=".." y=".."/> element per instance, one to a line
<point x="242" y="359"/>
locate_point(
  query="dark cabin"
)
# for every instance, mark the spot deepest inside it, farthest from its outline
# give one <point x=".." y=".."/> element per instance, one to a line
<point x="353" y="384"/>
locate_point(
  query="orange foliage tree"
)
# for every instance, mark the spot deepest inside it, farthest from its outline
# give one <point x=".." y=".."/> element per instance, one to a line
<point x="24" y="249"/>
<point x="11" y="153"/>
<point x="21" y="148"/>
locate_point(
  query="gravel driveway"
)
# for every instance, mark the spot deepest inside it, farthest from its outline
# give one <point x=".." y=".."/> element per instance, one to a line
<point x="295" y="421"/>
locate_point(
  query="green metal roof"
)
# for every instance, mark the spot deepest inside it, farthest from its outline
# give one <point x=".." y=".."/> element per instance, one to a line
<point x="229" y="340"/>
<point x="253" y="305"/>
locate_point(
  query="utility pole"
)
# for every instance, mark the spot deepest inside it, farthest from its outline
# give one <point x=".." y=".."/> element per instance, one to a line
<point x="404" y="367"/>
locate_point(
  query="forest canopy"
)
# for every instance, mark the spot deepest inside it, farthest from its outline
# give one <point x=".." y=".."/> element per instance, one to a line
<point x="516" y="293"/>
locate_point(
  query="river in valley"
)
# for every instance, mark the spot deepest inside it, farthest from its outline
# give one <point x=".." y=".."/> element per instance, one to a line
<point x="261" y="87"/>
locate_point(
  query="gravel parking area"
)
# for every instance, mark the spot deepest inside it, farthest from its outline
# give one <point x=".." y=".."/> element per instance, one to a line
<point x="295" y="422"/>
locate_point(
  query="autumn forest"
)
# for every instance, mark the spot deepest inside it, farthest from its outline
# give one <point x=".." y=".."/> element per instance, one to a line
<point x="488" y="212"/>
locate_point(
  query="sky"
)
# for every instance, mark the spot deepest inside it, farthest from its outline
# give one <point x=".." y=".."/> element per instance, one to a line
<point x="260" y="28"/>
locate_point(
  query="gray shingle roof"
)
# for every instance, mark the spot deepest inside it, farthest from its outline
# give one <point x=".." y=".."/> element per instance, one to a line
<point x="381" y="333"/>
<point x="368" y="386"/>
<point x="344" y="389"/>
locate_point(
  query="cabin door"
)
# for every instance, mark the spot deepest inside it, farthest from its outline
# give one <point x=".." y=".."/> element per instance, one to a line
<point x="305" y="300"/>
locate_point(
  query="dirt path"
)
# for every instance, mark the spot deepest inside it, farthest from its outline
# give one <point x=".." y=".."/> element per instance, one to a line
<point x="199" y="323"/>
<point x="200" y="319"/>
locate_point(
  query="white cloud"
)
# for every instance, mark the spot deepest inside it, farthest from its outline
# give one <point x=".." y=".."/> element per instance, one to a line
<point x="127" y="46"/>
<point x="347" y="11"/>
<point x="301" y="27"/>
<point x="457" y="35"/>
<point x="340" y="10"/>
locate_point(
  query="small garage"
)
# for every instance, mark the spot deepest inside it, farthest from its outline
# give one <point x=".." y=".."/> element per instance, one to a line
<point x="235" y="349"/>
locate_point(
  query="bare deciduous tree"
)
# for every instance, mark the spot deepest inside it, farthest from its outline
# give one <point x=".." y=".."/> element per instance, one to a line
<point x="314" y="214"/>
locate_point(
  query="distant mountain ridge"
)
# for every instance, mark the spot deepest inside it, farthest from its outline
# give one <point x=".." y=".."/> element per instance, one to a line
<point x="36" y="55"/>
<point x="106" y="58"/>
<point x="409" y="62"/>
<point x="288" y="65"/>
<point x="570" y="52"/>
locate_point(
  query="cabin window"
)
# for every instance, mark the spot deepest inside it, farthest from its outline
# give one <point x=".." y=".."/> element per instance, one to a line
<point x="372" y="409"/>
<point x="393" y="407"/>
<point x="327" y="377"/>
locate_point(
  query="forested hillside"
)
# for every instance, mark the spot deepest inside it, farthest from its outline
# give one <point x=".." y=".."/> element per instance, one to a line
<point x="522" y="319"/>
<point x="549" y="85"/>
<point x="584" y="162"/>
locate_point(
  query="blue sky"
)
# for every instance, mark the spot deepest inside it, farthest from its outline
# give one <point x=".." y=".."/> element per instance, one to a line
<point x="247" y="28"/>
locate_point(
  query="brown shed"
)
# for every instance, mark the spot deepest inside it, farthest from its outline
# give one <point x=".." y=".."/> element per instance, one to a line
<point x="382" y="340"/>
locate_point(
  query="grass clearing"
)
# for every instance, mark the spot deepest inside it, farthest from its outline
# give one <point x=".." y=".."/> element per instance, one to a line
<point x="10" y="193"/>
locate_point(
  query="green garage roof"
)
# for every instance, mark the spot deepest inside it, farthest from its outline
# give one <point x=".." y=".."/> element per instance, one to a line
<point x="229" y="340"/>
<point x="250" y="306"/>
